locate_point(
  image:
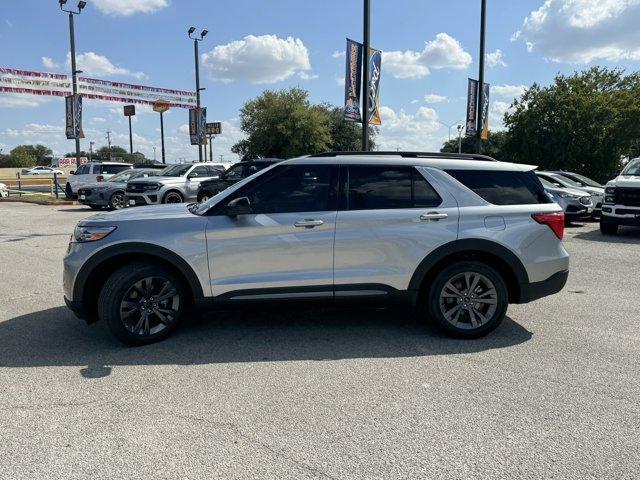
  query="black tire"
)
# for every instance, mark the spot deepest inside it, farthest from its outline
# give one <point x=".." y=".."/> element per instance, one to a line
<point x="172" y="197"/>
<point x="437" y="302"/>
<point x="608" y="228"/>
<point x="117" y="201"/>
<point x="119" y="293"/>
<point x="204" y="196"/>
<point x="95" y="207"/>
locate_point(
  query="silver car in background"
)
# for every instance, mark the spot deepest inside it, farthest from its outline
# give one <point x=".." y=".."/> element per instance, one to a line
<point x="111" y="192"/>
<point x="560" y="181"/>
<point x="576" y="204"/>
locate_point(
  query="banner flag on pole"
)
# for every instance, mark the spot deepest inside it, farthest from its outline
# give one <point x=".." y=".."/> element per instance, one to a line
<point x="375" y="65"/>
<point x="485" y="112"/>
<point x="472" y="108"/>
<point x="197" y="125"/>
<point x="73" y="115"/>
<point x="353" y="81"/>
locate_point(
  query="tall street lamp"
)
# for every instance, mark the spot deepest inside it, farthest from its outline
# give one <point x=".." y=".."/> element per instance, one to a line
<point x="74" y="71"/>
<point x="197" y="61"/>
<point x="449" y="126"/>
<point x="483" y="24"/>
<point x="365" y="74"/>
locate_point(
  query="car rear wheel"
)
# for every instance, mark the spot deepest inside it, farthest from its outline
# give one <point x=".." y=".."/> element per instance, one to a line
<point x="117" y="201"/>
<point x="142" y="303"/>
<point x="607" y="228"/>
<point x="172" y="197"/>
<point x="204" y="196"/>
<point x="467" y="299"/>
<point x="68" y="192"/>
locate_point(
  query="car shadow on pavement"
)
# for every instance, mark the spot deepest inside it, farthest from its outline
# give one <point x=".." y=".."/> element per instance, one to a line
<point x="629" y="235"/>
<point x="54" y="337"/>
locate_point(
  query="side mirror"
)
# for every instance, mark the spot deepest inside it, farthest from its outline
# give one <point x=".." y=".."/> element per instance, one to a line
<point x="238" y="206"/>
<point x="72" y="172"/>
<point x="192" y="175"/>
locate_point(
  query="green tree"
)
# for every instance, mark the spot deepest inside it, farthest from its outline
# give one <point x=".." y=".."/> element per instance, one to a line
<point x="42" y="155"/>
<point x="21" y="158"/>
<point x="584" y="122"/>
<point x="493" y="147"/>
<point x="286" y="124"/>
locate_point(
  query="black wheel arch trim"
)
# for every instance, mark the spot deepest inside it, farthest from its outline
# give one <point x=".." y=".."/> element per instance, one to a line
<point x="468" y="245"/>
<point x="163" y="254"/>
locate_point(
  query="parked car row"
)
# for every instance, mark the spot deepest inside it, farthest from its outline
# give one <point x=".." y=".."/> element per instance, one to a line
<point x="579" y="196"/>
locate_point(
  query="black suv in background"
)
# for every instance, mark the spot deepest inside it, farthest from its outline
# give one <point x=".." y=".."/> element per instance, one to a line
<point x="234" y="174"/>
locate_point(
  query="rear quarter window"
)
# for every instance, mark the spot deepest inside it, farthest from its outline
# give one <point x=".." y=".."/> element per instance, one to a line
<point x="503" y="187"/>
<point x="111" y="169"/>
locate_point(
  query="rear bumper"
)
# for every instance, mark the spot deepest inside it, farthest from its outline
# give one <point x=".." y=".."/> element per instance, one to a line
<point x="533" y="291"/>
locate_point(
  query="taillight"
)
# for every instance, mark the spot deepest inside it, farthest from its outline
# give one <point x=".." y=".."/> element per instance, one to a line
<point x="555" y="221"/>
<point x="100" y="178"/>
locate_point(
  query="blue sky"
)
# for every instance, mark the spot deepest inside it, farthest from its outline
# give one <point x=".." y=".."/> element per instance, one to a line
<point x="430" y="48"/>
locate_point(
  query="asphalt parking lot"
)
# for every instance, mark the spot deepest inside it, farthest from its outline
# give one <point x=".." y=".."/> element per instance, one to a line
<point x="354" y="394"/>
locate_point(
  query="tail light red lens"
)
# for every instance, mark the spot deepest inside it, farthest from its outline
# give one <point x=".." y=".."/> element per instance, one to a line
<point x="555" y="221"/>
<point x="100" y="178"/>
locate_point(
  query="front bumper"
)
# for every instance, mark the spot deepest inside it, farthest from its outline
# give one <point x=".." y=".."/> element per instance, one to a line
<point x="533" y="291"/>
<point x="621" y="215"/>
<point x="141" y="199"/>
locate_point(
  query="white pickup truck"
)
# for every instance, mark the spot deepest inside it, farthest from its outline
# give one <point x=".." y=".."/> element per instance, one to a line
<point x="622" y="200"/>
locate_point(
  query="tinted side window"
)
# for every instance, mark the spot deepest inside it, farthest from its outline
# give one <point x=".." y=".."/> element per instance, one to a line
<point x="296" y="188"/>
<point x="111" y="169"/>
<point x="503" y="188"/>
<point x="213" y="171"/>
<point x="386" y="187"/>
<point x="83" y="170"/>
<point x="200" y="171"/>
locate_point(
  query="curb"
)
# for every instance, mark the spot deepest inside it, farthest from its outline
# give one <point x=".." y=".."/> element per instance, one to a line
<point x="37" y="202"/>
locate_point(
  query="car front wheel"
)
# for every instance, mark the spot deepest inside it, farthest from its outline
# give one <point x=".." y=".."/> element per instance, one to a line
<point x="467" y="299"/>
<point x="117" y="201"/>
<point x="172" y="197"/>
<point x="142" y="303"/>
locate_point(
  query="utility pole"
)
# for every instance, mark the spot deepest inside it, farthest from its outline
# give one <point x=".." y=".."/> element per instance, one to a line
<point x="365" y="75"/>
<point x="211" y="147"/>
<point x="91" y="150"/>
<point x="109" y="143"/>
<point x="154" y="153"/>
<point x="483" y="24"/>
<point x="74" y="71"/>
<point x="197" y="62"/>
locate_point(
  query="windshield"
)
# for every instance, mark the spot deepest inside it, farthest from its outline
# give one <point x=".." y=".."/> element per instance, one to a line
<point x="122" y="177"/>
<point x="585" y="180"/>
<point x="633" y="168"/>
<point x="546" y="183"/>
<point x="175" y="170"/>
<point x="565" y="180"/>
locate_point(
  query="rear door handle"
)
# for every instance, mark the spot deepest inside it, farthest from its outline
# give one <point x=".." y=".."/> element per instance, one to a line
<point x="433" y="216"/>
<point x="308" y="223"/>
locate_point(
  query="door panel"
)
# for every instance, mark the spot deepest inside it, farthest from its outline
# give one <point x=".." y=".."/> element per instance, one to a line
<point x="385" y="246"/>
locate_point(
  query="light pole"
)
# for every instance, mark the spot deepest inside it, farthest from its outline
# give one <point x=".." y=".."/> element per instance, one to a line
<point x="74" y="71"/>
<point x="197" y="61"/>
<point x="460" y="128"/>
<point x="91" y="150"/>
<point x="483" y="24"/>
<point x="449" y="126"/>
<point x="365" y="74"/>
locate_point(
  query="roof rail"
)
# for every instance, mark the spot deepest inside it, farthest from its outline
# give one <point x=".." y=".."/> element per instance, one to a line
<point x="450" y="156"/>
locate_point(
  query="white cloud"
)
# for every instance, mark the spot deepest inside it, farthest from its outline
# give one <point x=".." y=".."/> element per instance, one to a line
<point x="413" y="102"/>
<point x="98" y="120"/>
<point x="47" y="62"/>
<point x="442" y="52"/>
<point x="257" y="59"/>
<point x="508" y="91"/>
<point x="92" y="63"/>
<point x="434" y="98"/>
<point x="496" y="115"/>
<point x="581" y="31"/>
<point x="307" y="76"/>
<point x="339" y="54"/>
<point x="184" y="128"/>
<point x="22" y="100"/>
<point x="405" y="131"/>
<point x="128" y="7"/>
<point x="496" y="59"/>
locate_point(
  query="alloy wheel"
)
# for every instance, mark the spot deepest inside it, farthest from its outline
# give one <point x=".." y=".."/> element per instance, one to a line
<point x="173" y="197"/>
<point x="468" y="300"/>
<point x="118" y="201"/>
<point x="149" y="306"/>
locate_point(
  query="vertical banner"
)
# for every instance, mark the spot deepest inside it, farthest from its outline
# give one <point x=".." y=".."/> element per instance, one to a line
<point x="73" y="115"/>
<point x="375" y="65"/>
<point x="353" y="81"/>
<point x="197" y="125"/>
<point x="472" y="108"/>
<point x="485" y="112"/>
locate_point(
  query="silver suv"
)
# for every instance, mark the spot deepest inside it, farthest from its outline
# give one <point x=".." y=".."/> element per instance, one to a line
<point x="458" y="236"/>
<point x="176" y="184"/>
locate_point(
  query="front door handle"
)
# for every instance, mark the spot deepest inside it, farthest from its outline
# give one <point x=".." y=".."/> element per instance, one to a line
<point x="308" y="223"/>
<point x="433" y="216"/>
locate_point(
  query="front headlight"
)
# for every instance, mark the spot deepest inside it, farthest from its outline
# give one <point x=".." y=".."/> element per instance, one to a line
<point x="83" y="234"/>
<point x="568" y="195"/>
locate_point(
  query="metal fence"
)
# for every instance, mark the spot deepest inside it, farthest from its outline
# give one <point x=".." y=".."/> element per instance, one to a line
<point x="35" y="185"/>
